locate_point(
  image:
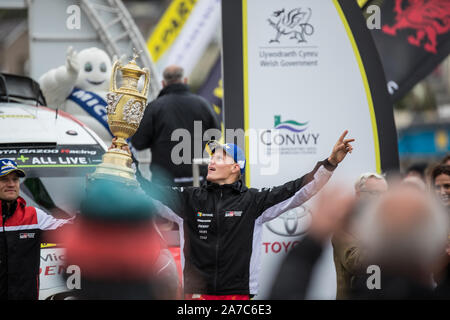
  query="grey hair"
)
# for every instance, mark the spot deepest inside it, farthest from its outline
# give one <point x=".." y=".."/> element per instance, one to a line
<point x="422" y="244"/>
<point x="361" y="181"/>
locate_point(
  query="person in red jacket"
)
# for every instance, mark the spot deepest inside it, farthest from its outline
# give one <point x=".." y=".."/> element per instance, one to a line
<point x="21" y="229"/>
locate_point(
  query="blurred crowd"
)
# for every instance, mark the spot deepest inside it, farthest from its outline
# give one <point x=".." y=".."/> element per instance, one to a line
<point x="390" y="238"/>
<point x="389" y="235"/>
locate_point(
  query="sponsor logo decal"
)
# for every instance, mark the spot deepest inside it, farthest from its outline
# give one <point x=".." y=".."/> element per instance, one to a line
<point x="26" y="235"/>
<point x="203" y="214"/>
<point x="233" y="213"/>
<point x="92" y="103"/>
<point x="292" y="223"/>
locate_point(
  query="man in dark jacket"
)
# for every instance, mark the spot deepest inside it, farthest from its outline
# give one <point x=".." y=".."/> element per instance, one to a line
<point x="175" y="109"/>
<point x="20" y="237"/>
<point x="222" y="221"/>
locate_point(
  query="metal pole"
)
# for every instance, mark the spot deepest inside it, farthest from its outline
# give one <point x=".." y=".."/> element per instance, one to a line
<point x="196" y="163"/>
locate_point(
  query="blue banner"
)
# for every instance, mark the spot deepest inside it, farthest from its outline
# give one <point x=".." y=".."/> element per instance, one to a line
<point x="212" y="90"/>
<point x="92" y="103"/>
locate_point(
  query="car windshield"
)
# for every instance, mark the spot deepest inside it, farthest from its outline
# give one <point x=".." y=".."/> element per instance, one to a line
<point x="55" y="176"/>
<point x="58" y="196"/>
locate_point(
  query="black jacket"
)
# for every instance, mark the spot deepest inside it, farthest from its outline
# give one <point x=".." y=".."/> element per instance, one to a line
<point x="20" y="243"/>
<point x="294" y="275"/>
<point x="222" y="227"/>
<point x="175" y="108"/>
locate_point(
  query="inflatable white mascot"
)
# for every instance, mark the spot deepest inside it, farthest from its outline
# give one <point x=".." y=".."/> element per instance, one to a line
<point x="79" y="88"/>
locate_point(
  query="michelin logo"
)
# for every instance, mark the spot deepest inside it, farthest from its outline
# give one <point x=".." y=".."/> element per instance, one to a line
<point x="92" y="104"/>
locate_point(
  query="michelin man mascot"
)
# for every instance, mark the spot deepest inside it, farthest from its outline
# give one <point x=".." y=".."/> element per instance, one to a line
<point x="79" y="88"/>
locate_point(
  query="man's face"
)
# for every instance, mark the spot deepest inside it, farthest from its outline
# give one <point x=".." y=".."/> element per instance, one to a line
<point x="442" y="188"/>
<point x="373" y="188"/>
<point x="9" y="187"/>
<point x="221" y="167"/>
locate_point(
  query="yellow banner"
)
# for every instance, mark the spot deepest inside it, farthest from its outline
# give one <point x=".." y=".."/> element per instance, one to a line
<point x="169" y="27"/>
<point x="362" y="3"/>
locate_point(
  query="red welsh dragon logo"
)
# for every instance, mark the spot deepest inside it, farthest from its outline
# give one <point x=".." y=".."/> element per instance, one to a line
<point x="429" y="18"/>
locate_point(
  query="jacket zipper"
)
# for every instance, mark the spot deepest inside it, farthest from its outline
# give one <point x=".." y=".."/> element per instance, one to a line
<point x="217" y="242"/>
<point x="6" y="251"/>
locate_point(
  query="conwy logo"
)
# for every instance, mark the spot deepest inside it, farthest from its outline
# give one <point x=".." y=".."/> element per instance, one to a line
<point x="294" y="23"/>
<point x="429" y="18"/>
<point x="292" y="139"/>
<point x="290" y="125"/>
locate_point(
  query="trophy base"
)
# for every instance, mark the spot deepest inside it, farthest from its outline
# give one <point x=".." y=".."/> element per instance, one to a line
<point x="116" y="165"/>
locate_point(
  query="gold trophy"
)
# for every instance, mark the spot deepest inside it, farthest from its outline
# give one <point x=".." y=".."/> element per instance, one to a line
<point x="125" y="109"/>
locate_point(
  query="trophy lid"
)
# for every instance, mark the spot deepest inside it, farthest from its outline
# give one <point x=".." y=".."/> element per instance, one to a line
<point x="131" y="67"/>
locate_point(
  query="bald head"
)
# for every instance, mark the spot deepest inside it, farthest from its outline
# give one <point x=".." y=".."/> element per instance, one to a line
<point x="370" y="185"/>
<point x="406" y="228"/>
<point x="403" y="209"/>
<point x="173" y="74"/>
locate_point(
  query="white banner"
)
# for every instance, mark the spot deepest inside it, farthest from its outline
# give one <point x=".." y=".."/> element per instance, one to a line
<point x="304" y="84"/>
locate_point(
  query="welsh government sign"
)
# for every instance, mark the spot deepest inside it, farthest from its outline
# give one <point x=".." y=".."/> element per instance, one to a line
<point x="297" y="73"/>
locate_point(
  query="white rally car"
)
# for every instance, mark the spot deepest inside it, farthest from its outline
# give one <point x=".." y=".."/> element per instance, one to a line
<point x="57" y="152"/>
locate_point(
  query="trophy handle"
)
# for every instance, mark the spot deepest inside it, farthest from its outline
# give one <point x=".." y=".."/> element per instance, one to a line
<point x="146" y="82"/>
<point x="113" y="83"/>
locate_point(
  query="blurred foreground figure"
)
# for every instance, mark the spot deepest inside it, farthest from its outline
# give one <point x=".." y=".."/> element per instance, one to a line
<point x="329" y="215"/>
<point x="118" y="247"/>
<point x="403" y="235"/>
<point x="415" y="182"/>
<point x="347" y="253"/>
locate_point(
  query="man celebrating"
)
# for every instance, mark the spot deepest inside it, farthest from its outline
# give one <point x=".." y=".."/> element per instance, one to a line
<point x="222" y="221"/>
<point x="20" y="237"/>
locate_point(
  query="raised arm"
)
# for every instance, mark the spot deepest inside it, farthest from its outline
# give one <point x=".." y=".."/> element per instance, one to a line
<point x="275" y="201"/>
<point x="170" y="197"/>
<point x="170" y="201"/>
<point x="47" y="222"/>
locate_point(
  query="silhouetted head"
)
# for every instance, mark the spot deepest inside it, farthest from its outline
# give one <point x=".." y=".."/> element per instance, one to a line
<point x="173" y="74"/>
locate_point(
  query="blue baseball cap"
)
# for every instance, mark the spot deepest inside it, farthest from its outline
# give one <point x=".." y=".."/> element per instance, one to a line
<point x="231" y="149"/>
<point x="7" y="166"/>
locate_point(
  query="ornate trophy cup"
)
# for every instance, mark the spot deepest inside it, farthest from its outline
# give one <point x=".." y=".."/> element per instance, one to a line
<point x="125" y="109"/>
